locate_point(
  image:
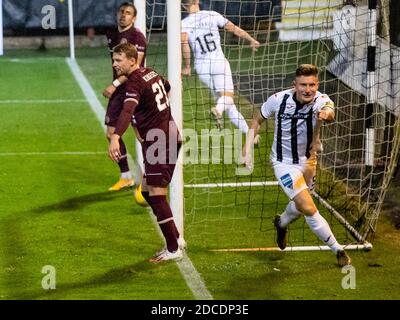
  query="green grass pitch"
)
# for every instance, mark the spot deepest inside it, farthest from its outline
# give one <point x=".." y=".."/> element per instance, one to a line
<point x="55" y="210"/>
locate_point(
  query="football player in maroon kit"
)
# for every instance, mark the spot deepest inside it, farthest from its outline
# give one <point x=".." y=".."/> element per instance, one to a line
<point x="125" y="33"/>
<point x="146" y="106"/>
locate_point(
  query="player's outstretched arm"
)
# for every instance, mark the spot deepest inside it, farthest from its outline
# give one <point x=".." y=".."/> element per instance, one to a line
<point x="185" y="54"/>
<point x="326" y="114"/>
<point x="239" y="32"/>
<point x="108" y="92"/>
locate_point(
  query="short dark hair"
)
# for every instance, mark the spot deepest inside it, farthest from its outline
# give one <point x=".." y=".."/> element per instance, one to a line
<point x="127" y="48"/>
<point x="306" y="70"/>
<point x="189" y="1"/>
<point x="128" y="4"/>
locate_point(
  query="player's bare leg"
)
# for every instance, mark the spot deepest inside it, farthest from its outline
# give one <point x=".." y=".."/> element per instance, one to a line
<point x="125" y="179"/>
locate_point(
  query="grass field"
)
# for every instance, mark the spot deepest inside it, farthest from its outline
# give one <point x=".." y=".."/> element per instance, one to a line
<point x="55" y="210"/>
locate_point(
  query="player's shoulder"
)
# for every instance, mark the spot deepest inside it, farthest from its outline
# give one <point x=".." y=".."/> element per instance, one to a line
<point x="187" y="21"/>
<point x="279" y="96"/>
<point x="211" y="13"/>
<point x="146" y="75"/>
<point x="213" y="16"/>
<point x="136" y="31"/>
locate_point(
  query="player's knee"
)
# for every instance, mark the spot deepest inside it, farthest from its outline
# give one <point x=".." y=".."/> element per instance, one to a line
<point x="224" y="103"/>
<point x="227" y="100"/>
<point x="307" y="208"/>
<point x="305" y="204"/>
<point x="293" y="210"/>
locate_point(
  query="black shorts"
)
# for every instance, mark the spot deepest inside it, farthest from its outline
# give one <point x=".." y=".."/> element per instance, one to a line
<point x="115" y="106"/>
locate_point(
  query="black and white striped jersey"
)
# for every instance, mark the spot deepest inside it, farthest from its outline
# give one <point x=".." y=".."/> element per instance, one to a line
<point x="296" y="125"/>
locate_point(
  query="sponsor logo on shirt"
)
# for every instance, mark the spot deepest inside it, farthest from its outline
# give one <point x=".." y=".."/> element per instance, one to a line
<point x="287" y="181"/>
<point x="294" y="116"/>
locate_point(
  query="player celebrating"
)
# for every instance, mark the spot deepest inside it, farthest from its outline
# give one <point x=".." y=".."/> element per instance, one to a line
<point x="146" y="105"/>
<point x="200" y="31"/>
<point x="298" y="115"/>
<point x="126" y="33"/>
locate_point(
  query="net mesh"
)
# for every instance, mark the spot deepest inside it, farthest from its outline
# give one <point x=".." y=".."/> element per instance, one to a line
<point x="227" y="209"/>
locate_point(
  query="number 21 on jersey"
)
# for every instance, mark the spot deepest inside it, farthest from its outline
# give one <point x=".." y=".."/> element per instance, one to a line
<point x="160" y="95"/>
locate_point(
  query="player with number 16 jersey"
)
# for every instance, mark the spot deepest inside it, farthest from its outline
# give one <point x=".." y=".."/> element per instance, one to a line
<point x="200" y="33"/>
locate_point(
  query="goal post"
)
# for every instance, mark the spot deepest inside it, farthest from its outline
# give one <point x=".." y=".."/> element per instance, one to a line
<point x="175" y="98"/>
<point x="173" y="14"/>
<point x="140" y="23"/>
<point x="71" y="29"/>
<point x="1" y="29"/>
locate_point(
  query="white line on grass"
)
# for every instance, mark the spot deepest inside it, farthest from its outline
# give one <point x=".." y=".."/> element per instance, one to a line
<point x="186" y="267"/>
<point x="233" y="184"/>
<point x="48" y="101"/>
<point x="74" y="153"/>
<point x="88" y="92"/>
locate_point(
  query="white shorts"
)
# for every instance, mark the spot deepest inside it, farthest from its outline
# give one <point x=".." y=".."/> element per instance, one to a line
<point x="215" y="74"/>
<point x="294" y="178"/>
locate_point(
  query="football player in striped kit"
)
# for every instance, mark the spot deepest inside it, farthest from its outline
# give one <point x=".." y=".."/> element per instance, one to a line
<point x="298" y="113"/>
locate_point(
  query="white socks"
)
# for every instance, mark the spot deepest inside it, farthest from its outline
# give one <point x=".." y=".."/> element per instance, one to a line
<point x="321" y="228"/>
<point x="237" y="119"/>
<point x="226" y="103"/>
<point x="126" y="175"/>
<point x="290" y="214"/>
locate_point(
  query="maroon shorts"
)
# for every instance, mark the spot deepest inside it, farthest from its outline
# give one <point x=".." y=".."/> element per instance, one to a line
<point x="115" y="106"/>
<point x="160" y="174"/>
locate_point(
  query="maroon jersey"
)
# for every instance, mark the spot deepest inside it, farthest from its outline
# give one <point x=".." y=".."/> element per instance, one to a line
<point x="132" y="35"/>
<point x="146" y="103"/>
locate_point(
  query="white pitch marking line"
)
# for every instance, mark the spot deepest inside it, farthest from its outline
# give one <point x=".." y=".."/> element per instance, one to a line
<point x="186" y="267"/>
<point x="233" y="184"/>
<point x="47" y="101"/>
<point x="78" y="153"/>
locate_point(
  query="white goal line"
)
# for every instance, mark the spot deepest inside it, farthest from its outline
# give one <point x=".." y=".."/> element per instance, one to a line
<point x="233" y="184"/>
<point x="366" y="246"/>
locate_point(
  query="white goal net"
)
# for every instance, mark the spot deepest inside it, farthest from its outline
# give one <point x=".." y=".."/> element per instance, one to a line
<point x="225" y="208"/>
